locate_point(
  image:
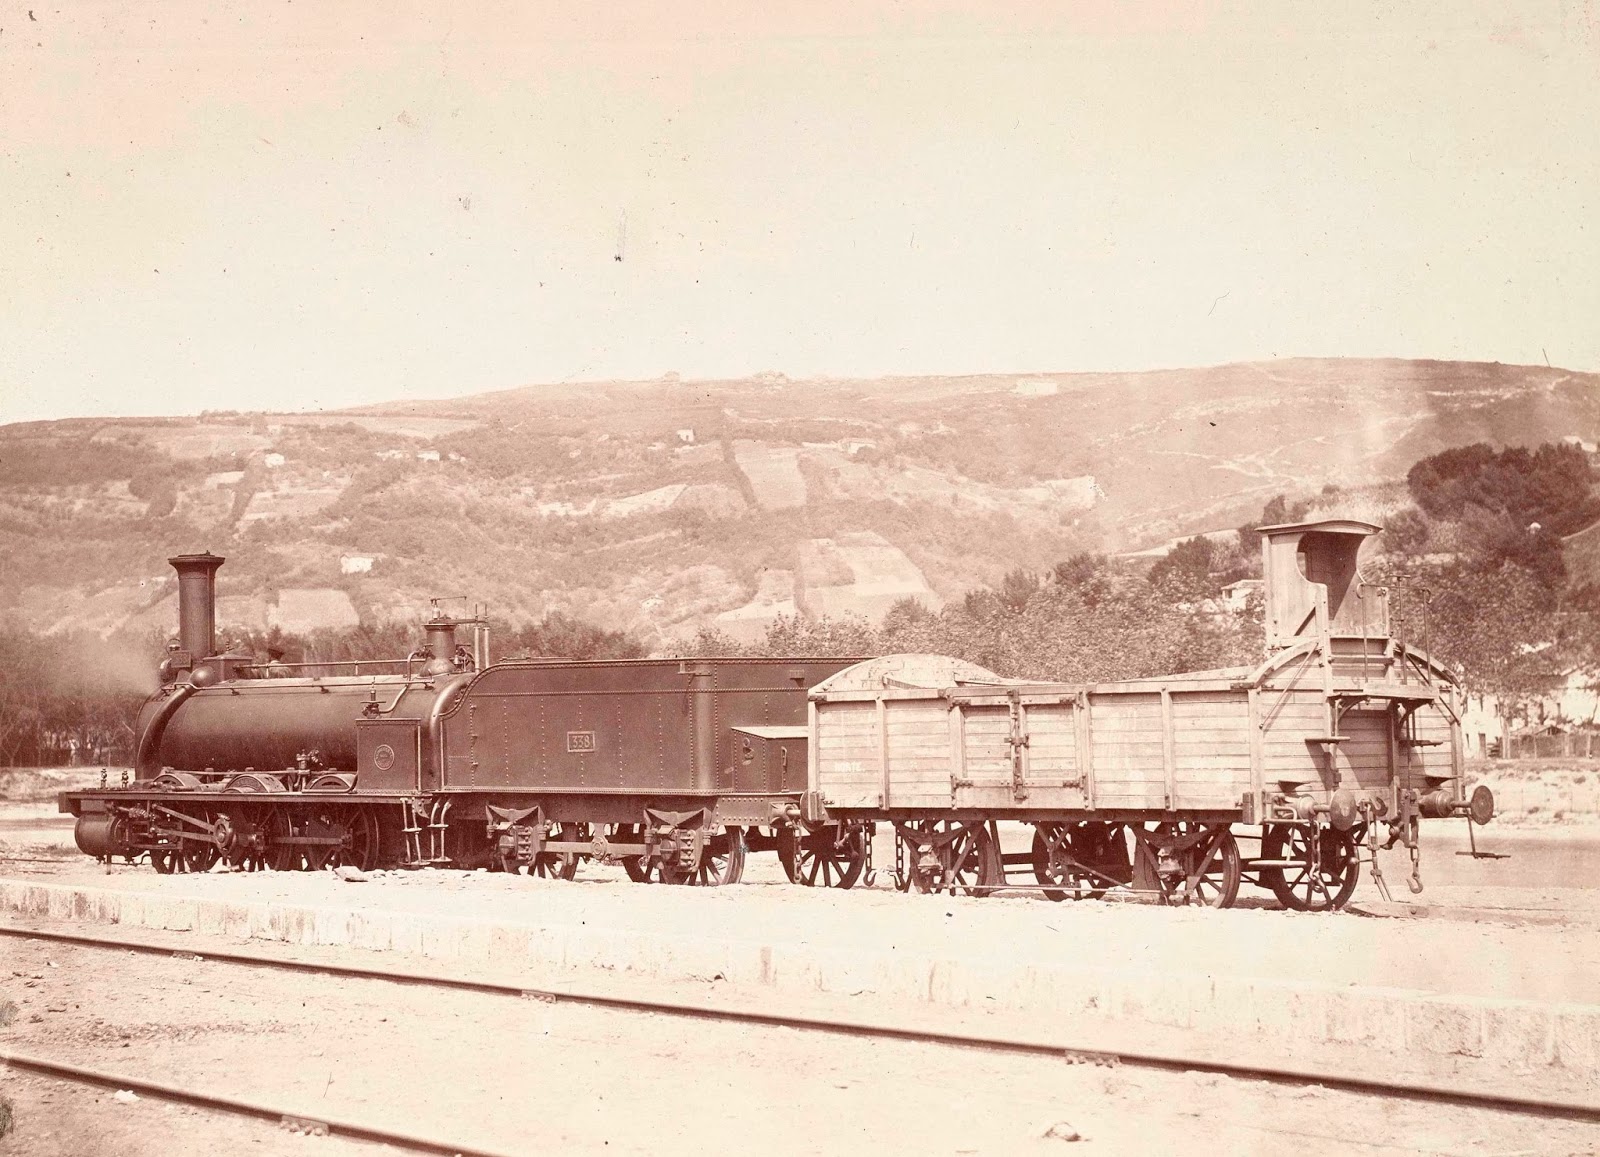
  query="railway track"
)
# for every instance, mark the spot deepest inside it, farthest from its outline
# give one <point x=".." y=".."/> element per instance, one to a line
<point x="1276" y="1070"/>
<point x="289" y="1117"/>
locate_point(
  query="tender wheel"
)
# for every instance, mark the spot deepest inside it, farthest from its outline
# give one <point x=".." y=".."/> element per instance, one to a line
<point x="1299" y="887"/>
<point x="562" y="866"/>
<point x="721" y="860"/>
<point x="946" y="855"/>
<point x="637" y="867"/>
<point x="1058" y="860"/>
<point x="832" y="856"/>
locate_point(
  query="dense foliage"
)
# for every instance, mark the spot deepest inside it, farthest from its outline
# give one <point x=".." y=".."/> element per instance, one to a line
<point x="1082" y="622"/>
<point x="1476" y="570"/>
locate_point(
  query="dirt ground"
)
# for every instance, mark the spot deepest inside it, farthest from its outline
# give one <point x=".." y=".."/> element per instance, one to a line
<point x="520" y="1076"/>
<point x="524" y="1077"/>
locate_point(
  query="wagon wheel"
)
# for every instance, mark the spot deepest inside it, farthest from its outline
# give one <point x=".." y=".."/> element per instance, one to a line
<point x="1056" y="860"/>
<point x="201" y="853"/>
<point x="1215" y="869"/>
<point x="961" y="856"/>
<point x="1300" y="888"/>
<point x="278" y="826"/>
<point x="360" y="849"/>
<point x="563" y="865"/>
<point x="637" y="867"/>
<point x="1184" y="849"/>
<point x="721" y="860"/>
<point x="830" y="857"/>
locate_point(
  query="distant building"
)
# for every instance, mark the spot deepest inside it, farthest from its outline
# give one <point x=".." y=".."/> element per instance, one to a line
<point x="391" y="455"/>
<point x="1236" y="595"/>
<point x="273" y="460"/>
<point x="356" y="563"/>
<point x="686" y="436"/>
<point x="427" y="455"/>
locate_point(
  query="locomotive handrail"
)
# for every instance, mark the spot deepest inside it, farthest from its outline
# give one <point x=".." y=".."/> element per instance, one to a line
<point x="356" y="663"/>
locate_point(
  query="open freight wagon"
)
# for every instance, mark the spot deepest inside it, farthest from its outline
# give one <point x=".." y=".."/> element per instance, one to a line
<point x="1339" y="742"/>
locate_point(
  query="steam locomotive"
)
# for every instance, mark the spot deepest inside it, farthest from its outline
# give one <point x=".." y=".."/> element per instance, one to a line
<point x="677" y="769"/>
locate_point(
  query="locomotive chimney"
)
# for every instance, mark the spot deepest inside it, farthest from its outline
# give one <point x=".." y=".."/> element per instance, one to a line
<point x="197" y="603"/>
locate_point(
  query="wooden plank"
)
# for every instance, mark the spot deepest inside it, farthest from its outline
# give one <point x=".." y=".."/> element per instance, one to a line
<point x="883" y="749"/>
<point x="1169" y="761"/>
<point x="1257" y="790"/>
<point x="1084" y="733"/>
<point x="1215" y="775"/>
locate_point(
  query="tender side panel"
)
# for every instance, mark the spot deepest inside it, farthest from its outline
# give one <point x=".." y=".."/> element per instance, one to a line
<point x="848" y="752"/>
<point x="575" y="728"/>
<point x="1129" y="750"/>
<point x="1211" y="748"/>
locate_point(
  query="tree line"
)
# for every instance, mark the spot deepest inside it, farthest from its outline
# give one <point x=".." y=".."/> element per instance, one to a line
<point x="1475" y="566"/>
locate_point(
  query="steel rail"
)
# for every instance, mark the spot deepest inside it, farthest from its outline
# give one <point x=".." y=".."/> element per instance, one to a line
<point x="182" y="1094"/>
<point x="1275" y="1069"/>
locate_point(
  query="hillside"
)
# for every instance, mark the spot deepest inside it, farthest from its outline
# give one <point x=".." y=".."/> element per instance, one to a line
<point x="664" y="506"/>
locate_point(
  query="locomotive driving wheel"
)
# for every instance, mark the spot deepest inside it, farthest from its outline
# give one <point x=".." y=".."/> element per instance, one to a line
<point x="278" y="828"/>
<point x="940" y="855"/>
<point x="165" y="859"/>
<point x="200" y="852"/>
<point x="830" y="856"/>
<point x="360" y="849"/>
<point x="1320" y="866"/>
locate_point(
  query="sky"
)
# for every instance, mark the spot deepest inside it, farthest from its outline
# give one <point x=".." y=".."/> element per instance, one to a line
<point x="298" y="205"/>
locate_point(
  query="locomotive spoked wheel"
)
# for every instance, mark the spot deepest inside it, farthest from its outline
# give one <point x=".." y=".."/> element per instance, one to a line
<point x="1303" y="887"/>
<point x="239" y="843"/>
<point x="1056" y="861"/>
<point x="958" y="857"/>
<point x="360" y="849"/>
<point x="830" y="856"/>
<point x="1194" y="863"/>
<point x="200" y="854"/>
<point x="278" y="827"/>
<point x="637" y="867"/>
<point x="165" y="860"/>
<point x="721" y="860"/>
